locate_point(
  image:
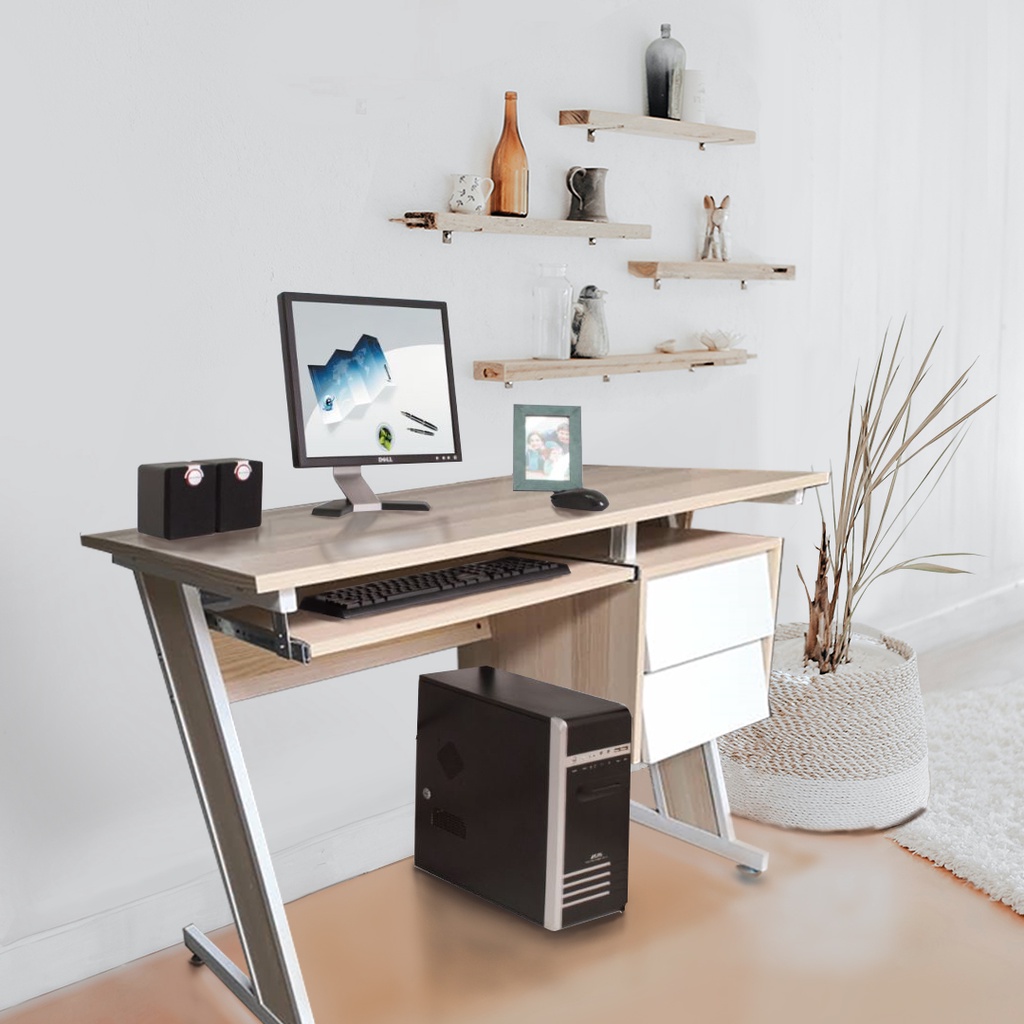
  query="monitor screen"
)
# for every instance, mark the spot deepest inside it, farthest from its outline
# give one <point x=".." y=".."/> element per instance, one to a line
<point x="369" y="380"/>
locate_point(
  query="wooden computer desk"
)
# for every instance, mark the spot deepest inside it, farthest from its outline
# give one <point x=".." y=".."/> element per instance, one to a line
<point x="676" y="623"/>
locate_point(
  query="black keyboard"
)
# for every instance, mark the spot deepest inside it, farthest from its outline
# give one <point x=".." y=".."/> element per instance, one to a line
<point x="433" y="585"/>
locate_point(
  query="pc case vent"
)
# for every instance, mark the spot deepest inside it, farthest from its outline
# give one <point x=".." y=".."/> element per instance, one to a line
<point x="448" y="822"/>
<point x="587" y="884"/>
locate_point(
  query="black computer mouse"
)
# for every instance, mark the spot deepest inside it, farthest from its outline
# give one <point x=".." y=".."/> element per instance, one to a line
<point x="581" y="499"/>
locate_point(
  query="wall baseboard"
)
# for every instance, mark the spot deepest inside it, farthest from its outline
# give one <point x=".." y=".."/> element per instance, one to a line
<point x="991" y="612"/>
<point x="49" y="960"/>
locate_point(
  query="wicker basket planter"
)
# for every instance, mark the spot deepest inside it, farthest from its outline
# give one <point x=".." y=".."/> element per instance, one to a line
<point x="842" y="751"/>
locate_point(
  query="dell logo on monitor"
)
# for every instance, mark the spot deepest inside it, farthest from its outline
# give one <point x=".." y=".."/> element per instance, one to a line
<point x="385" y="458"/>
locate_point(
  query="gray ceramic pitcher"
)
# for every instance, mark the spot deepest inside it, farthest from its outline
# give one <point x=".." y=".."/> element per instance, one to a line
<point x="586" y="188"/>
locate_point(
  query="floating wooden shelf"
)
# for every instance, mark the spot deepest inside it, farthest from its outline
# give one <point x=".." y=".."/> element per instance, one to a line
<point x="508" y="371"/>
<point x="713" y="270"/>
<point x="446" y="223"/>
<point x="662" y="127"/>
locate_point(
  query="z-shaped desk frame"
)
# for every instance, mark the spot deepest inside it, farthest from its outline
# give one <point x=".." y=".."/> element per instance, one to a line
<point x="247" y="585"/>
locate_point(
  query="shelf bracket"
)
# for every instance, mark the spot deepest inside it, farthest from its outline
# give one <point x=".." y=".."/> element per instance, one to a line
<point x="606" y="379"/>
<point x="446" y="237"/>
<point x="508" y="384"/>
<point x="592" y="241"/>
<point x="657" y="284"/>
<point x="591" y="135"/>
<point x="701" y="146"/>
<point x="743" y="286"/>
<point x="277" y="639"/>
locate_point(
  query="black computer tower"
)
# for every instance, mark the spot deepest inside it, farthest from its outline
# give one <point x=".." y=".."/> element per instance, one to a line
<point x="522" y="794"/>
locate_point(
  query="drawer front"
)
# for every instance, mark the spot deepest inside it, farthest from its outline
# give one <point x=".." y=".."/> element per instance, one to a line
<point x="698" y="612"/>
<point x="687" y="705"/>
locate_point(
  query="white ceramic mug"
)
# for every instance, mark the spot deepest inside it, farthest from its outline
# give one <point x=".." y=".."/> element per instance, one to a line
<point x="470" y="193"/>
<point x="695" y="97"/>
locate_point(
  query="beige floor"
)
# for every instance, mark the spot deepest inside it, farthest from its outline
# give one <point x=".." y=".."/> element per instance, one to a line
<point x="842" y="928"/>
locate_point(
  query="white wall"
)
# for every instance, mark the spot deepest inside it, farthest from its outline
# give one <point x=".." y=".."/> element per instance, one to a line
<point x="170" y="167"/>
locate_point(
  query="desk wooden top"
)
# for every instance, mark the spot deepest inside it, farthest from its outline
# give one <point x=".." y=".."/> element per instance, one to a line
<point x="294" y="548"/>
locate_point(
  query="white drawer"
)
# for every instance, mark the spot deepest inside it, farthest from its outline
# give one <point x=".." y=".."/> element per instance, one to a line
<point x="709" y="609"/>
<point x="687" y="705"/>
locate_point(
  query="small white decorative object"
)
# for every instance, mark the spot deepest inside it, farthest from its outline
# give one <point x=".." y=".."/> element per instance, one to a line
<point x="668" y="346"/>
<point x="694" y="97"/>
<point x="716" y="241"/>
<point x="470" y="193"/>
<point x="718" y="341"/>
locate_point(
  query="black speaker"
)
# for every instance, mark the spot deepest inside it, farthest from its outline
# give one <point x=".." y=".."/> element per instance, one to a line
<point x="177" y="499"/>
<point x="239" y="494"/>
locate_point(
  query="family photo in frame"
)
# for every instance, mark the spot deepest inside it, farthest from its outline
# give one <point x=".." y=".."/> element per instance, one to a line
<point x="547" y="447"/>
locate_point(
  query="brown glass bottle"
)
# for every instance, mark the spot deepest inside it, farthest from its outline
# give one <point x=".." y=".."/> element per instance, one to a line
<point x="509" y="169"/>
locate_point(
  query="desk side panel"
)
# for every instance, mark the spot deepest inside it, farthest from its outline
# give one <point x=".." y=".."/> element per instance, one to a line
<point x="589" y="642"/>
<point x="688" y="790"/>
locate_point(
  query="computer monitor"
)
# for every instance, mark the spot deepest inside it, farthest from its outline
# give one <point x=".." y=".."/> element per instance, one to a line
<point x="369" y="382"/>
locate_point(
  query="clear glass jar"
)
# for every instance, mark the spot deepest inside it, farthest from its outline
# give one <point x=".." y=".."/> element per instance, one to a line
<point x="552" y="313"/>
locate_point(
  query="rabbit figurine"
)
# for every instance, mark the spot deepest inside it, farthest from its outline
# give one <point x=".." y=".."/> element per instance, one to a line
<point x="716" y="242"/>
<point x="589" y="330"/>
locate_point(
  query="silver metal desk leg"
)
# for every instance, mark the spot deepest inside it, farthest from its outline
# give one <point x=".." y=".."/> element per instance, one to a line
<point x="622" y="543"/>
<point x="276" y="990"/>
<point x="205" y="952"/>
<point x="722" y="840"/>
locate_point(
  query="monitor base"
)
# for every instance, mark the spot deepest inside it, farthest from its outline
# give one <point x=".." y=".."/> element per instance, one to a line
<point x="342" y="506"/>
<point x="360" y="498"/>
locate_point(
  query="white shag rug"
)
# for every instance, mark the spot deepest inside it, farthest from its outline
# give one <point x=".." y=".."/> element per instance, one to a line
<point x="974" y="824"/>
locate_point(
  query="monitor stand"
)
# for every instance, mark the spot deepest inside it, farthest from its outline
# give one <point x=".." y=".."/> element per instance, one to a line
<point x="359" y="497"/>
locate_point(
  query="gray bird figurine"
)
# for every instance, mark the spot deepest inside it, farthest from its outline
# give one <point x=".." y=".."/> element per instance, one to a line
<point x="589" y="329"/>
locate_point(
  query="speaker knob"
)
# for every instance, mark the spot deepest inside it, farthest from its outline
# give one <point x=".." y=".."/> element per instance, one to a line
<point x="193" y="474"/>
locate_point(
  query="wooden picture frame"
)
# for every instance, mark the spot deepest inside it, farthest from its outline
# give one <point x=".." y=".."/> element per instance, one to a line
<point x="547" y="447"/>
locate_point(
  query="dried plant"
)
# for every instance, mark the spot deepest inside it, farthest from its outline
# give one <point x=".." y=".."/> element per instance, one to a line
<point x="868" y="519"/>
